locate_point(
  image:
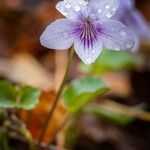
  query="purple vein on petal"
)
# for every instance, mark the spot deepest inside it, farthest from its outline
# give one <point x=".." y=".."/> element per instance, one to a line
<point x="87" y="34"/>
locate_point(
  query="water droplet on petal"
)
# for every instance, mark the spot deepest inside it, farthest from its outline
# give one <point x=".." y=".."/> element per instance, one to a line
<point x="129" y="44"/>
<point x="123" y="32"/>
<point x="99" y="11"/>
<point x="68" y="6"/>
<point x="77" y="8"/>
<point x="117" y="46"/>
<point x="108" y="14"/>
<point x="107" y="6"/>
<point x="114" y="9"/>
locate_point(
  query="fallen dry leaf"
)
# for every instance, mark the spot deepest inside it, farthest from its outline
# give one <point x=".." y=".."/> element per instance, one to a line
<point x="36" y="118"/>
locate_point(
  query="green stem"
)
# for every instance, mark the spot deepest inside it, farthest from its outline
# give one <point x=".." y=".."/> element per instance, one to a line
<point x="50" y="114"/>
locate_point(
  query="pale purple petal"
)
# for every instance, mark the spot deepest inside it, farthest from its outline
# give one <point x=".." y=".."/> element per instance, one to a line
<point x="127" y="4"/>
<point x="116" y="36"/>
<point x="73" y="9"/>
<point x="124" y="9"/>
<point x="58" y="35"/>
<point x="103" y="9"/>
<point x="87" y="44"/>
<point x="88" y="54"/>
<point x="137" y="23"/>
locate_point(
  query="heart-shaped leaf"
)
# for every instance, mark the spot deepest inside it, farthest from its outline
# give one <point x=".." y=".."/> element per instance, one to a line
<point x="29" y="97"/>
<point x="7" y="94"/>
<point x="25" y="97"/>
<point x="81" y="91"/>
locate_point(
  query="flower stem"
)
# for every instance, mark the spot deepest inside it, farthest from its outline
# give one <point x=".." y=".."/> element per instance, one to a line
<point x="56" y="99"/>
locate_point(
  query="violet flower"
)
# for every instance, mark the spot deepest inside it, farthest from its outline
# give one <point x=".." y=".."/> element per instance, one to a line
<point x="134" y="20"/>
<point x="89" y="27"/>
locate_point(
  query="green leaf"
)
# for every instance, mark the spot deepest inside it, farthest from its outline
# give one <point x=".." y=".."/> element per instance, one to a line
<point x="81" y="91"/>
<point x="25" y="97"/>
<point x="7" y="94"/>
<point x="111" y="61"/>
<point x="29" y="97"/>
<point x="112" y="115"/>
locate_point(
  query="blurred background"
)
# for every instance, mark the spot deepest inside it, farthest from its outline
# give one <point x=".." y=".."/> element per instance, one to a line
<point x="24" y="61"/>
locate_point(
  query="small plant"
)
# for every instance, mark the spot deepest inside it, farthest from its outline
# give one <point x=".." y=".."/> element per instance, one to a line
<point x="97" y="31"/>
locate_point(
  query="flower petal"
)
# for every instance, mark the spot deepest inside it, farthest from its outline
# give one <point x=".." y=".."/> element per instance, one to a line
<point x="116" y="36"/>
<point x="88" y="54"/>
<point x="137" y="23"/>
<point x="58" y="35"/>
<point x="73" y="9"/>
<point x="104" y="9"/>
<point x="125" y="7"/>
